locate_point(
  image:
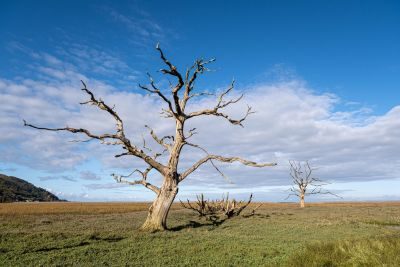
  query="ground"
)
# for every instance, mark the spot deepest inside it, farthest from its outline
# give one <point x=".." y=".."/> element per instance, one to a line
<point x="106" y="234"/>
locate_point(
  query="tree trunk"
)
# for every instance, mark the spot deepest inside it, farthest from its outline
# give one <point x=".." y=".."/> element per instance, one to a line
<point x="158" y="211"/>
<point x="302" y="201"/>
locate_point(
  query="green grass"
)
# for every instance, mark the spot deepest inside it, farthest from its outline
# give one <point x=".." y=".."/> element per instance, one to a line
<point x="380" y="251"/>
<point x="280" y="235"/>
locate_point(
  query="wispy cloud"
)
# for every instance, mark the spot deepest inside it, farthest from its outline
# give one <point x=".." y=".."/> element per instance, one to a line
<point x="140" y="23"/>
<point x="75" y="61"/>
<point x="88" y="175"/>
<point x="105" y="186"/>
<point x="55" y="177"/>
<point x="8" y="169"/>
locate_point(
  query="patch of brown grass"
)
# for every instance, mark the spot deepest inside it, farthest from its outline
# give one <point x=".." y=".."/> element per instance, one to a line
<point x="38" y="208"/>
<point x="330" y="204"/>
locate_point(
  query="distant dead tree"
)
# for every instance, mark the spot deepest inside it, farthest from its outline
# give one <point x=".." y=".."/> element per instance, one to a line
<point x="181" y="93"/>
<point x="218" y="209"/>
<point x="304" y="183"/>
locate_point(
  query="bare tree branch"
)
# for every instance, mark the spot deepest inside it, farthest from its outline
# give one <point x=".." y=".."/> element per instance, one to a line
<point x="161" y="141"/>
<point x="223" y="159"/>
<point x="191" y="133"/>
<point x="222" y="104"/>
<point x="99" y="103"/>
<point x="143" y="181"/>
<point x="212" y="162"/>
<point x="174" y="72"/>
<point x="219" y="209"/>
<point x="74" y="130"/>
<point x="123" y="154"/>
<point x="158" y="92"/>
<point x="74" y="141"/>
<point x="200" y="94"/>
<point x="119" y="136"/>
<point x="199" y="67"/>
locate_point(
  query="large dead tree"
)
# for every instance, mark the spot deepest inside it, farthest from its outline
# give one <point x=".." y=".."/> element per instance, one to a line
<point x="181" y="92"/>
<point x="304" y="182"/>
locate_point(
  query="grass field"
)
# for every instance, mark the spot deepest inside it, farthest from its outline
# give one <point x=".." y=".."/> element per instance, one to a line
<point x="105" y="234"/>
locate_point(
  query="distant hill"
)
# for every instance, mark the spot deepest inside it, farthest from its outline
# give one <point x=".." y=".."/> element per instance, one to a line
<point x="13" y="189"/>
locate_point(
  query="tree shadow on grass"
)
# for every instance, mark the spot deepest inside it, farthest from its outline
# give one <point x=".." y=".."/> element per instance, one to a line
<point x="110" y="239"/>
<point x="257" y="215"/>
<point x="194" y="224"/>
<point x="80" y="244"/>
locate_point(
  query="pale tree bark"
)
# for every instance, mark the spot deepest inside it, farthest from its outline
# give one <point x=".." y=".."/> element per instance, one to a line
<point x="304" y="183"/>
<point x="180" y="94"/>
<point x="302" y="205"/>
<point x="158" y="212"/>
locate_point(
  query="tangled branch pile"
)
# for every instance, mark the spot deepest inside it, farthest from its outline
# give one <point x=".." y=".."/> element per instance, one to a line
<point x="214" y="210"/>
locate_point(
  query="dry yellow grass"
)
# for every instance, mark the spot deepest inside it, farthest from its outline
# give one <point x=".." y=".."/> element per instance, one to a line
<point x="341" y="204"/>
<point x="31" y="208"/>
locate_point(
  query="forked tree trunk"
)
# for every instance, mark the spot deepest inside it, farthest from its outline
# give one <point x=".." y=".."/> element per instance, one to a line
<point x="302" y="201"/>
<point x="158" y="211"/>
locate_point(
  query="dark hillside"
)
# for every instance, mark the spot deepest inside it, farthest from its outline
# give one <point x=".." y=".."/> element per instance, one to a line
<point x="13" y="189"/>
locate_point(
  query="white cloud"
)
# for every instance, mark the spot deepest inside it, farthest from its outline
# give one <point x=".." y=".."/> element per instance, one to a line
<point x="292" y="122"/>
<point x="70" y="196"/>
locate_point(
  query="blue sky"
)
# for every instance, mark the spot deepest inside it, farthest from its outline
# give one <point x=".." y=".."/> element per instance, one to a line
<point x="340" y="57"/>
